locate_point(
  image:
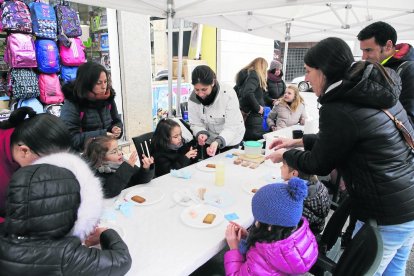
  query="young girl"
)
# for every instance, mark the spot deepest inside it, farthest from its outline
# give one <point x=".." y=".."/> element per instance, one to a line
<point x="288" y="111"/>
<point x="169" y="148"/>
<point x="277" y="229"/>
<point x="107" y="159"/>
<point x="317" y="204"/>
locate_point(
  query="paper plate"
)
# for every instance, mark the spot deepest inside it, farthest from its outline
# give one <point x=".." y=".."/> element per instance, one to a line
<point x="152" y="195"/>
<point x="193" y="216"/>
<point x="202" y="166"/>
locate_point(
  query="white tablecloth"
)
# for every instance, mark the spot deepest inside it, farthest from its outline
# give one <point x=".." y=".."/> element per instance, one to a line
<point x="161" y="244"/>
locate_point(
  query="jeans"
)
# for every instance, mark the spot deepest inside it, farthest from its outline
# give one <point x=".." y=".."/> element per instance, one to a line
<point x="398" y="240"/>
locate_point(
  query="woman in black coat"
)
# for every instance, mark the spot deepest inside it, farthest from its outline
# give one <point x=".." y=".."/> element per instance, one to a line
<point x="276" y="87"/>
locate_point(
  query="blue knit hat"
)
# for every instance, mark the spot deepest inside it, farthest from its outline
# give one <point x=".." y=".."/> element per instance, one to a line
<point x="280" y="203"/>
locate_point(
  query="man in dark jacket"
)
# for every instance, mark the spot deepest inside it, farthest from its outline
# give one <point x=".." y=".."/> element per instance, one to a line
<point x="378" y="43"/>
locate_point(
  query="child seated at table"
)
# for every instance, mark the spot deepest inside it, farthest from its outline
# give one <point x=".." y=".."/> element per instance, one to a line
<point x="278" y="228"/>
<point x="288" y="110"/>
<point x="317" y="204"/>
<point x="169" y="149"/>
<point x="107" y="159"/>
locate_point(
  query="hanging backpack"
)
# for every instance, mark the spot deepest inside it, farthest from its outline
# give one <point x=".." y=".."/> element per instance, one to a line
<point x="24" y="83"/>
<point x="47" y="56"/>
<point x="73" y="55"/>
<point x="68" y="21"/>
<point x="20" y="51"/>
<point x="16" y="17"/>
<point x="53" y="109"/>
<point x="43" y="20"/>
<point x="33" y="103"/>
<point x="68" y="73"/>
<point x="50" y="91"/>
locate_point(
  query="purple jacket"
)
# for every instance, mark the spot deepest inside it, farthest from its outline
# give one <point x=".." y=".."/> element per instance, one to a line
<point x="294" y="255"/>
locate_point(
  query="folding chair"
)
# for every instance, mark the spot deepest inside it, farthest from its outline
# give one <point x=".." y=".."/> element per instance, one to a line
<point x="143" y="145"/>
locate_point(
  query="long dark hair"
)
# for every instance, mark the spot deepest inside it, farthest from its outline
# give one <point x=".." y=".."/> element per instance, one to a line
<point x="267" y="233"/>
<point x="162" y="134"/>
<point x="204" y="75"/>
<point x="42" y="133"/>
<point x="332" y="56"/>
<point x="96" y="149"/>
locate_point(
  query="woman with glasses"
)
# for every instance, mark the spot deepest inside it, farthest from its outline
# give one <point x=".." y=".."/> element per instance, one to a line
<point x="89" y="109"/>
<point x="214" y="114"/>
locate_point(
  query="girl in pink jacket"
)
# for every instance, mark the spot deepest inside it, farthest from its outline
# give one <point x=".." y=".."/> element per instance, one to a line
<point x="279" y="241"/>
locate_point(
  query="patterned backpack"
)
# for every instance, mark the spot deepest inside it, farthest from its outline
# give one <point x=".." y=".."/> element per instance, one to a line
<point x="68" y="21"/>
<point x="73" y="55"/>
<point x="16" y="17"/>
<point x="20" y="51"/>
<point x="44" y="20"/>
<point x="47" y="56"/>
<point x="24" y="83"/>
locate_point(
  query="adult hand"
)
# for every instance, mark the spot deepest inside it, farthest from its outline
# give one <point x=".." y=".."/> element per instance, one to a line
<point x="116" y="130"/>
<point x="280" y="143"/>
<point x="147" y="161"/>
<point x="110" y="134"/>
<point x="95" y="237"/>
<point x="192" y="153"/>
<point x="212" y="149"/>
<point x="276" y="156"/>
<point x="261" y="110"/>
<point x="275" y="102"/>
<point x="232" y="236"/>
<point x="133" y="158"/>
<point x="202" y="138"/>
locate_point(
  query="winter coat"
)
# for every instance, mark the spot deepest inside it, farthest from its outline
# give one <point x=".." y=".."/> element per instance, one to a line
<point x="405" y="53"/>
<point x="124" y="177"/>
<point x="276" y="88"/>
<point x="220" y="120"/>
<point x="293" y="255"/>
<point x="316" y="206"/>
<point x="88" y="119"/>
<point x="283" y="116"/>
<point x="7" y="167"/>
<point x="52" y="206"/>
<point x="360" y="140"/>
<point x="169" y="159"/>
<point x="251" y="99"/>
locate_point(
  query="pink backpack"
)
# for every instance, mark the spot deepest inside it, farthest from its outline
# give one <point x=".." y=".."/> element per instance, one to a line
<point x="20" y="51"/>
<point x="50" y="91"/>
<point x="74" y="55"/>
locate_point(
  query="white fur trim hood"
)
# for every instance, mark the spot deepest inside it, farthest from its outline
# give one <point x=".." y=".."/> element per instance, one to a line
<point x="91" y="205"/>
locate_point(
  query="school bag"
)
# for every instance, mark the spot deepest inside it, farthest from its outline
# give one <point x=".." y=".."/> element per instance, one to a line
<point x="73" y="55"/>
<point x="47" y="56"/>
<point x="16" y="17"/>
<point x="43" y="20"/>
<point x="24" y="83"/>
<point x="67" y="21"/>
<point x="68" y="73"/>
<point x="53" y="109"/>
<point x="50" y="91"/>
<point x="31" y="102"/>
<point x="20" y="51"/>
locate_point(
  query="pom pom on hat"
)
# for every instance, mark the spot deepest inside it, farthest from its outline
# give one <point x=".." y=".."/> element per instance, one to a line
<point x="275" y="65"/>
<point x="280" y="203"/>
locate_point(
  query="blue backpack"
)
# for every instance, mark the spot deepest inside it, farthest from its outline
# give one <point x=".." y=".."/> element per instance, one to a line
<point x="68" y="73"/>
<point x="43" y="20"/>
<point x="33" y="103"/>
<point x="47" y="56"/>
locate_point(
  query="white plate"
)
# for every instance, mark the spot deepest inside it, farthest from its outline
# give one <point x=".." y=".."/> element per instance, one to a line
<point x="202" y="166"/>
<point x="219" y="199"/>
<point x="194" y="215"/>
<point x="152" y="195"/>
<point x="183" y="198"/>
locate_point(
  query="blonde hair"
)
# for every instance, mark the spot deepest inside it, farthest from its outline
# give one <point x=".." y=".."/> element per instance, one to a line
<point x="259" y="65"/>
<point x="296" y="101"/>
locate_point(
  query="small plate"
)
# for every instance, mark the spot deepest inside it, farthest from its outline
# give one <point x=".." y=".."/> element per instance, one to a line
<point x="193" y="216"/>
<point x="202" y="166"/>
<point x="183" y="198"/>
<point x="152" y="195"/>
<point x="219" y="199"/>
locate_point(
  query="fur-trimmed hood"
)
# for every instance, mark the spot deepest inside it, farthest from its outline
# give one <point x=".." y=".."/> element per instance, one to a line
<point x="57" y="195"/>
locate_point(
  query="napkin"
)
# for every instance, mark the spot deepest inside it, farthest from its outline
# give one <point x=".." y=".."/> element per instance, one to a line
<point x="108" y="215"/>
<point x="183" y="173"/>
<point x="125" y="207"/>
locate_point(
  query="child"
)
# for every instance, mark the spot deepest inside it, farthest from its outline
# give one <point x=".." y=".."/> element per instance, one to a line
<point x="52" y="207"/>
<point x="288" y="111"/>
<point x="280" y="241"/>
<point x="107" y="159"/>
<point x="169" y="148"/>
<point x="317" y="204"/>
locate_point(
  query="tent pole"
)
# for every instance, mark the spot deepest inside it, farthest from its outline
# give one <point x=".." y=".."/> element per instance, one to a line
<point x="285" y="52"/>
<point x="180" y="67"/>
<point x="170" y="55"/>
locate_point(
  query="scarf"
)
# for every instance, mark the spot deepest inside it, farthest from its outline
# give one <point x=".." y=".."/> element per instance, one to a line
<point x="175" y="147"/>
<point x="210" y="98"/>
<point x="108" y="167"/>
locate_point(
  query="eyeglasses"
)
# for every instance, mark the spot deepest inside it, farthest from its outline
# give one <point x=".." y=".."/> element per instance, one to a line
<point x="115" y="151"/>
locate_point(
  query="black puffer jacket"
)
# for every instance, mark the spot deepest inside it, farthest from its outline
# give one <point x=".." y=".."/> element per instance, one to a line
<point x="356" y="137"/>
<point x="88" y="119"/>
<point x="167" y="160"/>
<point x="49" y="209"/>
<point x="275" y="88"/>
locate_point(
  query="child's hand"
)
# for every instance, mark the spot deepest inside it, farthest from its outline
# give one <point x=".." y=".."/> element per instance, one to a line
<point x="133" y="158"/>
<point x="211" y="150"/>
<point x="243" y="232"/>
<point x="192" y="153"/>
<point x="116" y="131"/>
<point x="233" y="236"/>
<point x="201" y="139"/>
<point x="147" y="161"/>
<point x="95" y="237"/>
